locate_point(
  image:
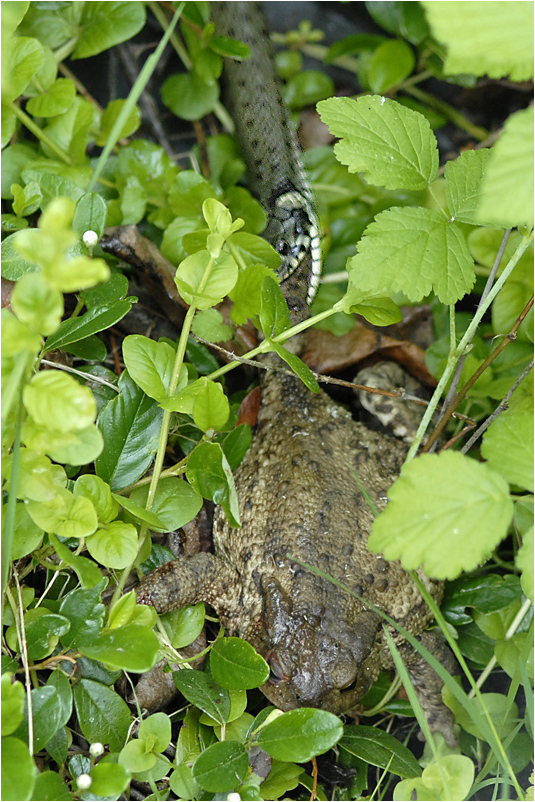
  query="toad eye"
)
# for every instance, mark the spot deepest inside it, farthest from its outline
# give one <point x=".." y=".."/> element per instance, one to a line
<point x="276" y="674"/>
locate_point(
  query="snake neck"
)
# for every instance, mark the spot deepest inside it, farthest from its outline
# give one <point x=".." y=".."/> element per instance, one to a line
<point x="271" y="152"/>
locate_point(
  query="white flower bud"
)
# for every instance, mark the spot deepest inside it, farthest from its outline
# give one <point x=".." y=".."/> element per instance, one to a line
<point x="84" y="782"/>
<point x="90" y="238"/>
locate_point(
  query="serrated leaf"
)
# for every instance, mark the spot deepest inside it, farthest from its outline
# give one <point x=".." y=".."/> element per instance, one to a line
<point x="463" y="184"/>
<point x="413" y="251"/>
<point x="393" y="146"/>
<point x="300" y="734"/>
<point x="485" y="38"/>
<point x="508" y="447"/>
<point x="379" y="748"/>
<point x="446" y="512"/>
<point x="506" y="191"/>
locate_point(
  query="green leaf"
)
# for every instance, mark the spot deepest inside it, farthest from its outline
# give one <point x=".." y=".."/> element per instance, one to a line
<point x="235" y="664"/>
<point x="25" y="57"/>
<point x="84" y="609"/>
<point x="13" y="697"/>
<point x="49" y="787"/>
<point x="463" y="184"/>
<point x="65" y="515"/>
<point x="379" y="748"/>
<point x="102" y="714"/>
<point x="55" y="399"/>
<point x="506" y="196"/>
<point x="131" y="426"/>
<point x="524" y="562"/>
<point x="135" y="757"/>
<point x="88" y="573"/>
<point x="75" y="448"/>
<point x="130" y="648"/>
<point x="109" y="118"/>
<point x="400" y="18"/>
<point x="90" y="215"/>
<point x="18" y="770"/>
<point x="138" y="512"/>
<point x="202" y="292"/>
<point x="392" y="62"/>
<point x="26" y="199"/>
<point x="47" y="714"/>
<point x="301" y="734"/>
<point x="298" y="366"/>
<point x="156" y="728"/>
<point x="150" y="364"/>
<point x="56" y="100"/>
<point x="43" y="633"/>
<point x="221" y="767"/>
<point x="187" y="96"/>
<point x="13" y="264"/>
<point x="109" y="779"/>
<point x="95" y="320"/>
<point x="247" y="292"/>
<point x="446" y="512"/>
<point x="176" y="502"/>
<point x="99" y="493"/>
<point x="380" y="311"/>
<point x="209" y="473"/>
<point x="210" y="407"/>
<point x="274" y="315"/>
<point x="508" y="447"/>
<point x="393" y="146"/>
<point x="37" y="304"/>
<point x="236" y="443"/>
<point x="27" y="536"/>
<point x="413" y="251"/>
<point x="115" y="545"/>
<point x="204" y="692"/>
<point x="208" y="324"/>
<point x="485" y="39"/>
<point x="184" y="625"/>
<point x="104" y="25"/>
<point x="306" y="87"/>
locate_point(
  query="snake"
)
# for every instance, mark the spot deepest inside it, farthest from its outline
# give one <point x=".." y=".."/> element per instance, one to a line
<point x="276" y="175"/>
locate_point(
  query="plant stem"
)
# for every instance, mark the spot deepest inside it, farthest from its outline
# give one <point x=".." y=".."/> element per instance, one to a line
<point x="459" y="350"/>
<point x="451" y="113"/>
<point x="27" y="121"/>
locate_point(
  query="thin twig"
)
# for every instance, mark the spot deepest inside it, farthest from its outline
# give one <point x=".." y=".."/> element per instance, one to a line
<point x="507" y="340"/>
<point x="498" y="411"/>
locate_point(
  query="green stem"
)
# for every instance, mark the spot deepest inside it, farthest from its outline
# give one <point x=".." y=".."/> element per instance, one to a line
<point x="27" y="121"/>
<point x="457" y="352"/>
<point x="451" y="113"/>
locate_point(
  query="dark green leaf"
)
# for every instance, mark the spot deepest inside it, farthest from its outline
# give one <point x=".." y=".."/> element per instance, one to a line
<point x="486" y="594"/>
<point x="236" y="443"/>
<point x="60" y="682"/>
<point x="42" y="634"/>
<point x="403" y="19"/>
<point x="307" y="87"/>
<point x="87" y="571"/>
<point x="356" y="43"/>
<point x="475" y="645"/>
<point x="84" y="609"/>
<point x="95" y="320"/>
<point x="274" y="315"/>
<point x="221" y="767"/>
<point x="235" y="664"/>
<point x="90" y="348"/>
<point x="300" y="734"/>
<point x="107" y="293"/>
<point x="204" y="692"/>
<point x="90" y="214"/>
<point x="102" y="714"/>
<point x="47" y="715"/>
<point x="391" y="63"/>
<point x="380" y="749"/>
<point x="58" y="745"/>
<point x="130" y="424"/>
<point x="131" y="648"/>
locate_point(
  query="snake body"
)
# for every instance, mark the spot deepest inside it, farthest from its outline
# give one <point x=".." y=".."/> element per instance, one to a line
<point x="270" y="149"/>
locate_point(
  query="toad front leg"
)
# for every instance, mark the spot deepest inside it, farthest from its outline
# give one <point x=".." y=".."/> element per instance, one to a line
<point x="202" y="577"/>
